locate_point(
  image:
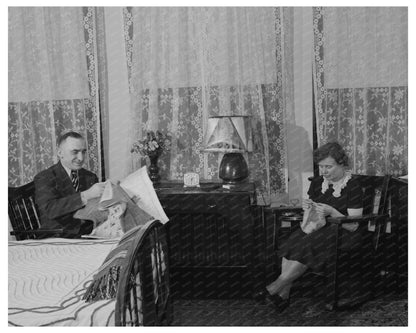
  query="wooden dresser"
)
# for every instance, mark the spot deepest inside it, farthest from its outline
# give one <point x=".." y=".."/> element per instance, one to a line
<point x="211" y="239"/>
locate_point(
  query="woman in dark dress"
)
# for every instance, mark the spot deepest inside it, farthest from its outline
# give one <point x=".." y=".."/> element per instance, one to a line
<point x="334" y="193"/>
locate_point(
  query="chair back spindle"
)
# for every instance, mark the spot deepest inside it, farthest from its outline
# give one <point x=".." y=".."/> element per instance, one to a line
<point x="24" y="214"/>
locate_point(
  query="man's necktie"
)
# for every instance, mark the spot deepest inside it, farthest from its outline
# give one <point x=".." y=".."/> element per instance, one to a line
<point x="75" y="180"/>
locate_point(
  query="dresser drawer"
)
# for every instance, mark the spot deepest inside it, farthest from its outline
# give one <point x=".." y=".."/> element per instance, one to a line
<point x="192" y="203"/>
<point x="204" y="203"/>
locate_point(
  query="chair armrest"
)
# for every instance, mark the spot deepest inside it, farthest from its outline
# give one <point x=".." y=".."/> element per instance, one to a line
<point x="37" y="232"/>
<point x="283" y="209"/>
<point x="354" y="219"/>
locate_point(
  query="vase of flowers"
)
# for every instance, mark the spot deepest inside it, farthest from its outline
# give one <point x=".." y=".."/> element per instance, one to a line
<point x="152" y="146"/>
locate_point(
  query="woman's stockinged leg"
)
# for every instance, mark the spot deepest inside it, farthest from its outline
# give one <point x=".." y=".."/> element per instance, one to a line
<point x="291" y="270"/>
<point x="285" y="291"/>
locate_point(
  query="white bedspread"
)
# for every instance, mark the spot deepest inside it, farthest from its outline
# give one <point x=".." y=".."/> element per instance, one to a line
<point x="47" y="279"/>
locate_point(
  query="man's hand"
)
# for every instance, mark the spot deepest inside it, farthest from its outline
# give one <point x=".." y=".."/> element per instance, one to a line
<point x="94" y="191"/>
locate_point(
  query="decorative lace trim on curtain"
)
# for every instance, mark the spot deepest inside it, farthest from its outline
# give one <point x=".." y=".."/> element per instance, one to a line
<point x="93" y="123"/>
<point x="279" y="115"/>
<point x="318" y="72"/>
<point x="128" y="38"/>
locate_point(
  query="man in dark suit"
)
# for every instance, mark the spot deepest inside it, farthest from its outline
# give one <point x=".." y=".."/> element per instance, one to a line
<point x="66" y="187"/>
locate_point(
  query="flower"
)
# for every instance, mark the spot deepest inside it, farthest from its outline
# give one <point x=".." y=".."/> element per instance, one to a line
<point x="153" y="144"/>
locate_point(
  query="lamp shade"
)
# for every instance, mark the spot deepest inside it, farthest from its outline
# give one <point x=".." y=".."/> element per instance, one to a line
<point x="229" y="134"/>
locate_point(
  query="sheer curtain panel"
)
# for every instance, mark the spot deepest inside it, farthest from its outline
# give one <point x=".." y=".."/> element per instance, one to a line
<point x="189" y="63"/>
<point x="52" y="86"/>
<point x="361" y="88"/>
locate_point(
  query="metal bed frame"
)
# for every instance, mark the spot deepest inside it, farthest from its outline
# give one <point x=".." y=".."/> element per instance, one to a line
<point x="143" y="296"/>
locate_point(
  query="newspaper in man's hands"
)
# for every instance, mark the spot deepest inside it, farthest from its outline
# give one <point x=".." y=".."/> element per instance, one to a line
<point x="97" y="210"/>
<point x="137" y="192"/>
<point x="111" y="195"/>
<point x="139" y="187"/>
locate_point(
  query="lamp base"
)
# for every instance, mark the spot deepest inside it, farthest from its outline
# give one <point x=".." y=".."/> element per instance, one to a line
<point x="233" y="168"/>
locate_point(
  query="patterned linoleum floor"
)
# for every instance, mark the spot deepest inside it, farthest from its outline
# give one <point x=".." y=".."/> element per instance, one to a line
<point x="383" y="311"/>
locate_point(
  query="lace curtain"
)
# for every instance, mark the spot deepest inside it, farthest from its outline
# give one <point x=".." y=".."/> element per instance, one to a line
<point x="361" y="92"/>
<point x="52" y="86"/>
<point x="187" y="64"/>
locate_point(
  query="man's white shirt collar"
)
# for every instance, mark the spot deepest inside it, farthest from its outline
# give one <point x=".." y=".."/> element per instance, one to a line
<point x="68" y="171"/>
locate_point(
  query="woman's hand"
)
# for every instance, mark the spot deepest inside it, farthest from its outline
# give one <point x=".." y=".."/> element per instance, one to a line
<point x="307" y="204"/>
<point x="324" y="209"/>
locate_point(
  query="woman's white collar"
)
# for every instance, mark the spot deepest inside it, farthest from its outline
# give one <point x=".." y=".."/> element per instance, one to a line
<point x="337" y="186"/>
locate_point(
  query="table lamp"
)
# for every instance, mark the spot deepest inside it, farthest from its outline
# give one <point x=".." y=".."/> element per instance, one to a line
<point x="230" y="135"/>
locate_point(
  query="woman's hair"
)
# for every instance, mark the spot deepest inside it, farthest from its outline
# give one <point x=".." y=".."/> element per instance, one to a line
<point x="331" y="149"/>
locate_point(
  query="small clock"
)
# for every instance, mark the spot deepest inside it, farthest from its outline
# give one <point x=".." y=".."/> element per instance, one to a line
<point x="191" y="179"/>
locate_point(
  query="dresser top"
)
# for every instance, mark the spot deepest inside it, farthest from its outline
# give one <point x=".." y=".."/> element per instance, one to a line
<point x="177" y="187"/>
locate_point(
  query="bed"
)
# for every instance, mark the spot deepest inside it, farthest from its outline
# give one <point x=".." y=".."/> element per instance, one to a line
<point x="49" y="278"/>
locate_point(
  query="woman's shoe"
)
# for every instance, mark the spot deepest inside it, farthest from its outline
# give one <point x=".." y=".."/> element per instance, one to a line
<point x="261" y="295"/>
<point x="279" y="303"/>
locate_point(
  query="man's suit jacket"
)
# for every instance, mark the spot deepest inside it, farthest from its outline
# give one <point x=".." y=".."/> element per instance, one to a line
<point x="57" y="199"/>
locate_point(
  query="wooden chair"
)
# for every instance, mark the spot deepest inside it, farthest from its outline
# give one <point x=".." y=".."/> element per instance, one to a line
<point x="351" y="272"/>
<point x="143" y="297"/>
<point x="355" y="269"/>
<point x="394" y="253"/>
<point x="24" y="216"/>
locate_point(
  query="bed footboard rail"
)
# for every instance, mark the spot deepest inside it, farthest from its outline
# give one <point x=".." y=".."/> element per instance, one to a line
<point x="143" y="296"/>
